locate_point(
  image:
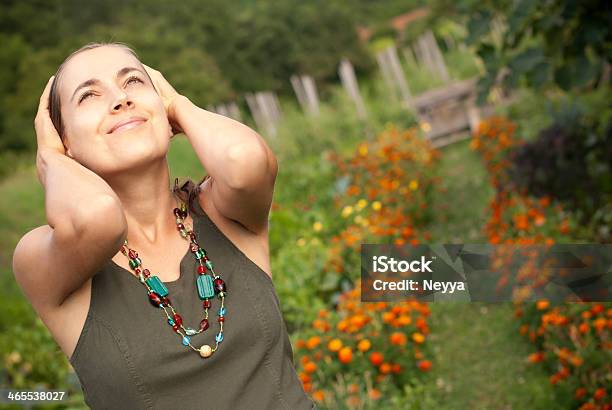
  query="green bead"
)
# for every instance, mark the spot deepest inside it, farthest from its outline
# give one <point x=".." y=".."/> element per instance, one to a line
<point x="199" y="254"/>
<point x="134" y="263"/>
<point x="157" y="286"/>
<point x="209" y="265"/>
<point x="205" y="287"/>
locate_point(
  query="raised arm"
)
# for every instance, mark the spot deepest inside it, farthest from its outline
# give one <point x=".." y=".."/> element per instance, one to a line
<point x="86" y="223"/>
<point x="242" y="167"/>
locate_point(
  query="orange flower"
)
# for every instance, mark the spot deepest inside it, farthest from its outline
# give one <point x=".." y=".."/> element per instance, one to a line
<point x="364" y="345"/>
<point x="599" y="324"/>
<point x="376" y="358"/>
<point x="418" y="337"/>
<point x="576" y="360"/>
<point x="536" y="357"/>
<point x="424" y="365"/>
<point x="319" y="395"/>
<point x="564" y="227"/>
<point x="313" y="342"/>
<point x="353" y="388"/>
<point x="597" y="308"/>
<point x="345" y="355"/>
<point x="398" y="338"/>
<point x="580" y="392"/>
<point x="583" y="328"/>
<point x="388" y="317"/>
<point x="542" y="304"/>
<point x="599" y="393"/>
<point x="396" y="368"/>
<point x="521" y="222"/>
<point x="342" y="325"/>
<point x="385" y="368"/>
<point x="305" y="378"/>
<point x="404" y="320"/>
<point x="334" y="345"/>
<point x="310" y="367"/>
<point x="374" y="394"/>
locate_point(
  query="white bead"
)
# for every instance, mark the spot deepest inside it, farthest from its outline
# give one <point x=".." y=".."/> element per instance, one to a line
<point x="205" y="351"/>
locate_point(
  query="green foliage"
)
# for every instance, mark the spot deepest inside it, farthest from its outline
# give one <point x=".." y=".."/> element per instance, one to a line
<point x="211" y="51"/>
<point x="537" y="44"/>
<point x="570" y="161"/>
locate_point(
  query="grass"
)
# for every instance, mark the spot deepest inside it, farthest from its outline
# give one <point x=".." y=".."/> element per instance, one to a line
<point x="479" y="356"/>
<point x="461" y="198"/>
<point x="481" y="360"/>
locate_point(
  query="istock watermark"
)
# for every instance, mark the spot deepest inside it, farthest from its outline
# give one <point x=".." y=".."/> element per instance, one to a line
<point x="486" y="273"/>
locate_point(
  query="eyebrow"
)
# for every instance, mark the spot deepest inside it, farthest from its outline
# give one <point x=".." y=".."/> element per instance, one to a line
<point x="95" y="81"/>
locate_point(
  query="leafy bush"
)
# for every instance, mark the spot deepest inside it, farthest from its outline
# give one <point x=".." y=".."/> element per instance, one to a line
<point x="570" y="161"/>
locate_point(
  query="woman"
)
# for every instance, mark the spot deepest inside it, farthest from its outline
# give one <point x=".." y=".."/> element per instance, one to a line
<point x="150" y="312"/>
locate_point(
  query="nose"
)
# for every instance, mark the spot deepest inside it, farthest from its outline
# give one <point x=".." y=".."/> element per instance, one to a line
<point x="122" y="101"/>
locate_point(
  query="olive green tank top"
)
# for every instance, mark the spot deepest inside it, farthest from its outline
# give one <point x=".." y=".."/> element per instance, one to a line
<point x="128" y="357"/>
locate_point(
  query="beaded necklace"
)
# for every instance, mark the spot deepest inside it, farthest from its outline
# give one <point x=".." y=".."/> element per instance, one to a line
<point x="207" y="284"/>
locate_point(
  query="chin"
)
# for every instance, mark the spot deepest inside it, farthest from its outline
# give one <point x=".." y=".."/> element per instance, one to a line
<point x="132" y="154"/>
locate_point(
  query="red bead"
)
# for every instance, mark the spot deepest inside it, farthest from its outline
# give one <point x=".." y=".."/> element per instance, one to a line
<point x="221" y="319"/>
<point x="206" y="304"/>
<point x="206" y="258"/>
<point x="176" y="327"/>
<point x="178" y="319"/>
<point x="146" y="273"/>
<point x="180" y="226"/>
<point x="137" y="270"/>
<point x="154" y="299"/>
<point x="192" y="236"/>
<point x="177" y="212"/>
<point x="201" y="269"/>
<point x="166" y="301"/>
<point x="204" y="324"/>
<point x="132" y="254"/>
<point x="219" y="285"/>
<point x="194" y="247"/>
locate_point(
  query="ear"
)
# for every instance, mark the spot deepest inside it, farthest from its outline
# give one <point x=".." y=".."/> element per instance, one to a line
<point x="67" y="148"/>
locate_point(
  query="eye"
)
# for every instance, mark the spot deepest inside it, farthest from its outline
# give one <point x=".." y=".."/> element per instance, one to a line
<point x="133" y="78"/>
<point x="85" y="95"/>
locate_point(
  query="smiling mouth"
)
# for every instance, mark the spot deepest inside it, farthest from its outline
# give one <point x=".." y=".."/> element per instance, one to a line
<point x="129" y="125"/>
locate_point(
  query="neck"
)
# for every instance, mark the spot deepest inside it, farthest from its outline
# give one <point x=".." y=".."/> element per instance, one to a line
<point x="147" y="202"/>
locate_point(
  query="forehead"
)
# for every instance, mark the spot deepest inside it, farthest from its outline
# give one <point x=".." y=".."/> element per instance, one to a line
<point x="101" y="63"/>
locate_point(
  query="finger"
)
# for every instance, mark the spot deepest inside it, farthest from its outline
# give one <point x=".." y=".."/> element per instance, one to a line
<point x="44" y="98"/>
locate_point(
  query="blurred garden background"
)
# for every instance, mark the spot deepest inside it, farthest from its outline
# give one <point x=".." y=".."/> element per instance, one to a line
<point x="397" y="121"/>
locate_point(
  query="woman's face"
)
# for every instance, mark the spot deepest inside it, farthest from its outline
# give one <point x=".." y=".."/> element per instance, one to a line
<point x="113" y="117"/>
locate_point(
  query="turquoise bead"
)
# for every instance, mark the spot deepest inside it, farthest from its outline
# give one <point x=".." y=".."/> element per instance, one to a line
<point x="205" y="287"/>
<point x="157" y="286"/>
<point x="222" y="311"/>
<point x="186" y="341"/>
<point x="190" y="331"/>
<point x="134" y="263"/>
<point x="219" y="337"/>
<point x="170" y="322"/>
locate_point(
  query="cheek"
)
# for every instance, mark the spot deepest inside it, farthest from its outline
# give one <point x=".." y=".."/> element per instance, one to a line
<point x="85" y="122"/>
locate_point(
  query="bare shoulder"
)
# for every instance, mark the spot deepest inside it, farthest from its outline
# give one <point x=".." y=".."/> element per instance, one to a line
<point x="254" y="245"/>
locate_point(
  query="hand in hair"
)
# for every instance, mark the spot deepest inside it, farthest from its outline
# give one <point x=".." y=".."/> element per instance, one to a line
<point x="47" y="136"/>
<point x="168" y="95"/>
